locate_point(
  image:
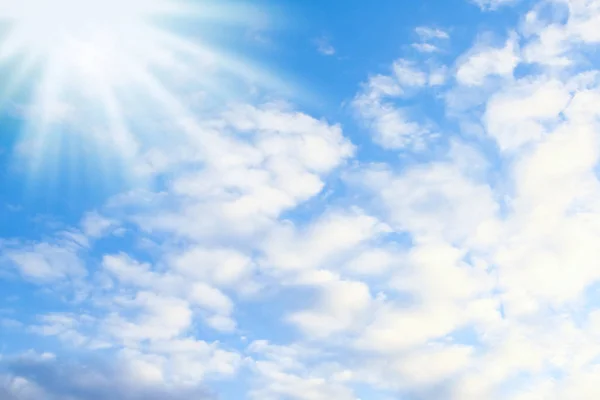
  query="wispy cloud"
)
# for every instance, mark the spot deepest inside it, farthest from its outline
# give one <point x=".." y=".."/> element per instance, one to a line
<point x="324" y="46"/>
<point x="491" y="5"/>
<point x="430" y="39"/>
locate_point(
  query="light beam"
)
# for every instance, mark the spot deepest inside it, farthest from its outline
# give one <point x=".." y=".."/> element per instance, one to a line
<point x="89" y="53"/>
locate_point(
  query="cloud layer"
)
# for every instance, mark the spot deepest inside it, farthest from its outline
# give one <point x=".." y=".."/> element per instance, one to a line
<point x="275" y="259"/>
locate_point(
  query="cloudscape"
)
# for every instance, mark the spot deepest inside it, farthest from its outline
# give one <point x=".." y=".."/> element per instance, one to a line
<point x="299" y="200"/>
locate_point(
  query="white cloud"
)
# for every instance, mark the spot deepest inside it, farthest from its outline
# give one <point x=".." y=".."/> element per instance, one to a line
<point x="428" y="33"/>
<point x="196" y="292"/>
<point x="211" y="298"/>
<point x="493" y="4"/>
<point x="434" y="363"/>
<point x="129" y="271"/>
<point x="549" y="48"/>
<point x="438" y="76"/>
<point x="391" y="123"/>
<point x="152" y="349"/>
<point x="281" y="384"/>
<point x="258" y="164"/>
<point x="395" y="330"/>
<point x="486" y="61"/>
<point x="437" y="200"/>
<point x="334" y="234"/>
<point x="293" y="372"/>
<point x="520" y="114"/>
<point x="189" y="361"/>
<point x="447" y="294"/>
<point x="422" y="368"/>
<point x="65" y="326"/>
<point x="425" y="47"/>
<point x="555" y="41"/>
<point x="158" y="318"/>
<point x="220" y="266"/>
<point x="221" y="323"/>
<point x="430" y="38"/>
<point x="408" y="75"/>
<point x="374" y="261"/>
<point x="342" y="305"/>
<point x="556" y="191"/>
<point x="44" y="262"/>
<point x="435" y="274"/>
<point x="392" y="127"/>
<point x="95" y="225"/>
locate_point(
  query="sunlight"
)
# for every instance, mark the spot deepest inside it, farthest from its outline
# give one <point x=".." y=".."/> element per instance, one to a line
<point x="88" y="54"/>
<point x="47" y="27"/>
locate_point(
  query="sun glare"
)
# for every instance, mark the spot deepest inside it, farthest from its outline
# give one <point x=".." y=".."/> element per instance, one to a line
<point x="45" y="27"/>
<point x="94" y="51"/>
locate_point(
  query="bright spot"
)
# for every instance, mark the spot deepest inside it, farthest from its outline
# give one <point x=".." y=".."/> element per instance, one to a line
<point x="85" y="36"/>
<point x="88" y="58"/>
<point x="49" y="26"/>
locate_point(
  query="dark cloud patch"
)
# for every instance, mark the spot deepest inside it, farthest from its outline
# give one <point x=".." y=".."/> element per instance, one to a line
<point x="27" y="377"/>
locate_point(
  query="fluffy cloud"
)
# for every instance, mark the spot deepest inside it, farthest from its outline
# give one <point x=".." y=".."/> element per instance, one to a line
<point x="521" y="113"/>
<point x="343" y="304"/>
<point x="219" y="266"/>
<point x="285" y="372"/>
<point x="553" y="41"/>
<point x="95" y="225"/>
<point x="390" y="123"/>
<point x="487" y="61"/>
<point x="331" y="236"/>
<point x="45" y="262"/>
<point x="246" y="168"/>
<point x="257" y="163"/>
<point x="438" y="200"/>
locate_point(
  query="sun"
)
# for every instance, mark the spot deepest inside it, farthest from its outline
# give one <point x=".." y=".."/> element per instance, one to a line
<point x="46" y="28"/>
<point x="86" y="51"/>
<point x="89" y="54"/>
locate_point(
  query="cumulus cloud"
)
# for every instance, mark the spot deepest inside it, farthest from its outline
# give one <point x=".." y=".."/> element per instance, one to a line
<point x="488" y="61"/>
<point x="263" y="162"/>
<point x="522" y="112"/>
<point x="437" y="200"/>
<point x="295" y="372"/>
<point x="342" y="305"/>
<point x="316" y="245"/>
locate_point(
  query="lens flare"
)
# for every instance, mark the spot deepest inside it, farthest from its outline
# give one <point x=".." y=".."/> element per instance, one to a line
<point x="89" y="57"/>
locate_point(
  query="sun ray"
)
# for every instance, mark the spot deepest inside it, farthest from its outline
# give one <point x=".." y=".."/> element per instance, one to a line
<point x="90" y="53"/>
<point x="18" y="76"/>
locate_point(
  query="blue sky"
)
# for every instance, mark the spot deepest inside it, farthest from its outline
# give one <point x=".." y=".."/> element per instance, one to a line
<point x="299" y="200"/>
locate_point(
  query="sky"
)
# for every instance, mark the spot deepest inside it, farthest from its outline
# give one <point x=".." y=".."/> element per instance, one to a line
<point x="299" y="200"/>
